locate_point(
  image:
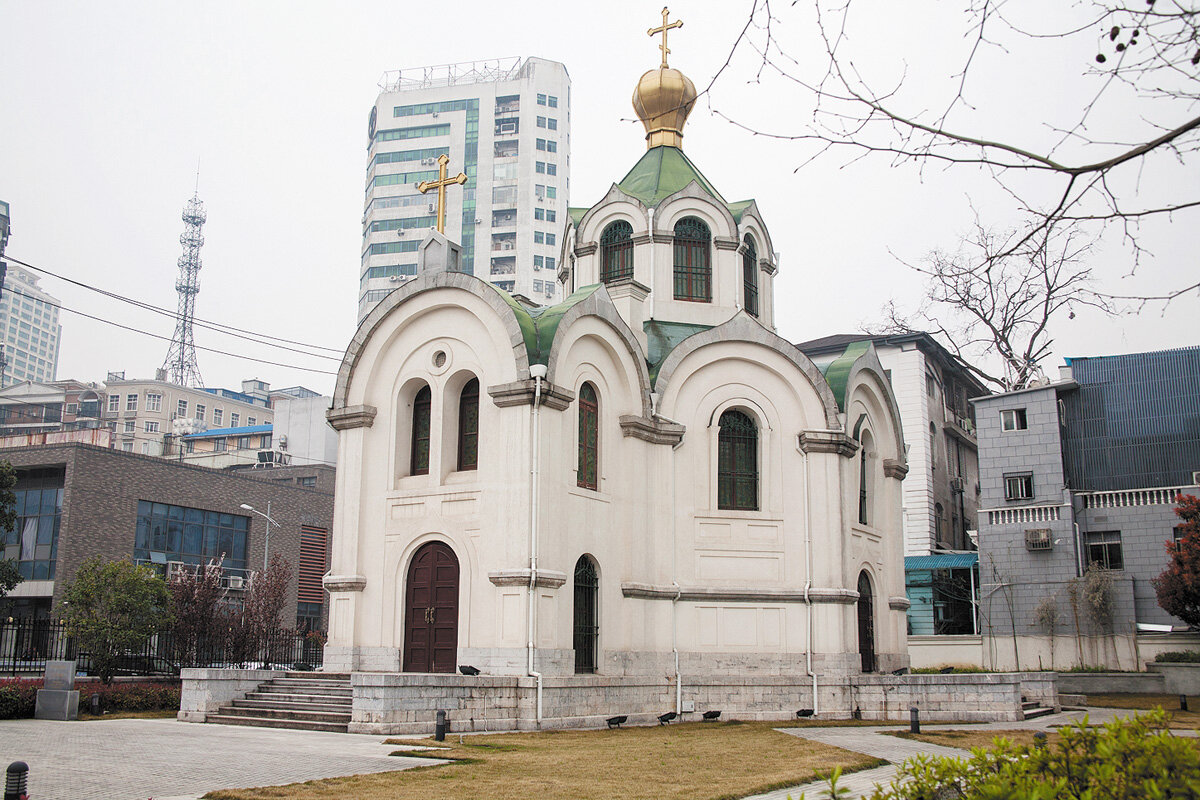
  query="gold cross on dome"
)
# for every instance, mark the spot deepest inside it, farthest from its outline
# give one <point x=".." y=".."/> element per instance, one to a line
<point x="663" y="30"/>
<point x="440" y="184"/>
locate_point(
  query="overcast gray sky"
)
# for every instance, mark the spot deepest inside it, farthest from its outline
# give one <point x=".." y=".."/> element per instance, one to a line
<point x="107" y="107"/>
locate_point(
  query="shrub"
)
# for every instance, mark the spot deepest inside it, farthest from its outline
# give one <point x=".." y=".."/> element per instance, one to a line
<point x="1123" y="760"/>
<point x="18" y="698"/>
<point x="132" y="696"/>
<point x="1185" y="656"/>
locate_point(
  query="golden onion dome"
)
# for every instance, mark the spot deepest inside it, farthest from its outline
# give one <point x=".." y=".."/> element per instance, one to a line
<point x="663" y="99"/>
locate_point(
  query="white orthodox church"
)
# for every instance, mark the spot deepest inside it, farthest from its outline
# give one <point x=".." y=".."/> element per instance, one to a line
<point x="637" y="501"/>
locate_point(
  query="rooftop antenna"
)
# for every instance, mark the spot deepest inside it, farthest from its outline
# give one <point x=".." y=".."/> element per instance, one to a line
<point x="180" y="362"/>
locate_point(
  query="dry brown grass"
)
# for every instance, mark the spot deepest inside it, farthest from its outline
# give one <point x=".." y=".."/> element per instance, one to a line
<point x="967" y="739"/>
<point x="1189" y="720"/>
<point x="162" y="714"/>
<point x="693" y="761"/>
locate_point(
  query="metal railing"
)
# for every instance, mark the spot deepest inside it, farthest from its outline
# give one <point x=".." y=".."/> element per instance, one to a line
<point x="27" y="644"/>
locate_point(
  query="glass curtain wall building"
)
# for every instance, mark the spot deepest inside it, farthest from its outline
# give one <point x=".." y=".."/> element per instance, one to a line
<point x="506" y="125"/>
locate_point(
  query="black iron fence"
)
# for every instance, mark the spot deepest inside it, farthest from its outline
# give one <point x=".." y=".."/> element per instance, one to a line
<point x="27" y="644"/>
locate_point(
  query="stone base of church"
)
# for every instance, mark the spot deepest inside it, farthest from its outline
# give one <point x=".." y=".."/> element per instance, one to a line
<point x="406" y="703"/>
<point x="365" y="659"/>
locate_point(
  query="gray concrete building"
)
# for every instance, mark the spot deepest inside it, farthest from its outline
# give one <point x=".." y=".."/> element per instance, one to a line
<point x="1079" y="476"/>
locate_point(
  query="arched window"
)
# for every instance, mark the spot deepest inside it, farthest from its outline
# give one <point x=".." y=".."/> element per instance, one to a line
<point x="616" y="252"/>
<point x="864" y="480"/>
<point x="737" y="462"/>
<point x="866" y="622"/>
<point x="468" y="426"/>
<point x="693" y="268"/>
<point x="586" y="618"/>
<point x="419" y="457"/>
<point x="589" y="436"/>
<point x="750" y="276"/>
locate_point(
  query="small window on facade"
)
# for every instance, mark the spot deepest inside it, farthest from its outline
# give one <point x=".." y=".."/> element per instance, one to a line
<point x="616" y="252"/>
<point x="589" y="438"/>
<point x="693" y="268"/>
<point x="1103" y="549"/>
<point x="468" y="426"/>
<point x="750" y="276"/>
<point x="1018" y="486"/>
<point x="864" y="481"/>
<point x="419" y="458"/>
<point x="737" y="462"/>
<point x="1013" y="419"/>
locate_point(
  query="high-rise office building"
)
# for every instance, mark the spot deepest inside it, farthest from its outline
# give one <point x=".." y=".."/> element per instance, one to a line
<point x="506" y="125"/>
<point x="29" y="329"/>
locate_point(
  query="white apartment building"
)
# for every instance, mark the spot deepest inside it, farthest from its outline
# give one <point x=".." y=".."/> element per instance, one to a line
<point x="505" y="124"/>
<point x="29" y="329"/>
<point x="143" y="412"/>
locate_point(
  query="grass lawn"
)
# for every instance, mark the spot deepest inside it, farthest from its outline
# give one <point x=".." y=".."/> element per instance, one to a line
<point x="965" y="740"/>
<point x="162" y="714"/>
<point x="1189" y="720"/>
<point x="692" y="761"/>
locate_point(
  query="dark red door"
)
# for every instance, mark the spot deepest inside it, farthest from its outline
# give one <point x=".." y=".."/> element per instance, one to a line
<point x="866" y="623"/>
<point x="431" y="611"/>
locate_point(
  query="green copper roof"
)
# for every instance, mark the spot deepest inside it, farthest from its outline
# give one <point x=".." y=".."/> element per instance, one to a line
<point x="538" y="325"/>
<point x="662" y="172"/>
<point x="737" y="208"/>
<point x="576" y="214"/>
<point x="662" y="338"/>
<point x="836" y="369"/>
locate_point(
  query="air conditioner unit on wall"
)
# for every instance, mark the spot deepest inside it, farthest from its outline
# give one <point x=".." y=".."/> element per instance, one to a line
<point x="235" y="582"/>
<point x="1196" y="478"/>
<point x="1038" y="539"/>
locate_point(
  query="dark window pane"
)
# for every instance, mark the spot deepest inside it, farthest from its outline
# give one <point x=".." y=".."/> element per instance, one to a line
<point x="737" y="462"/>
<point x="468" y="426"/>
<point x="419" y="461"/>
<point x="589" y="434"/>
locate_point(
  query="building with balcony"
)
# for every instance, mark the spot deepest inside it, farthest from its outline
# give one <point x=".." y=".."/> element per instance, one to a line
<point x="505" y="124"/>
<point x="1076" y="475"/>
<point x="29" y="411"/>
<point x="29" y="329"/>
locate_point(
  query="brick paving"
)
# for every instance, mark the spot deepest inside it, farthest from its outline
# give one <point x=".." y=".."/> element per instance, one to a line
<point x="136" y="759"/>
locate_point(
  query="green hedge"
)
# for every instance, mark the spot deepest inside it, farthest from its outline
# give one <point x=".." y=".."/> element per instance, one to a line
<point x="1184" y="656"/>
<point x="18" y="698"/>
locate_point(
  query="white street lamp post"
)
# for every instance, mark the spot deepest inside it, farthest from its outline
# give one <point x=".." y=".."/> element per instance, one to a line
<point x="270" y="522"/>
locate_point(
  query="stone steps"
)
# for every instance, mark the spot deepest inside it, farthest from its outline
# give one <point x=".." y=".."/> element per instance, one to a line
<point x="299" y="700"/>
<point x="1032" y="710"/>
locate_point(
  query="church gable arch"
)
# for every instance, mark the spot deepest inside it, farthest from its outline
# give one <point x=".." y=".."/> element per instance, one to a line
<point x="694" y="201"/>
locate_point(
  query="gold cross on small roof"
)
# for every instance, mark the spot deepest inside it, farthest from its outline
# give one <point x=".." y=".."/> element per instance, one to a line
<point x="440" y="184"/>
<point x="663" y="30"/>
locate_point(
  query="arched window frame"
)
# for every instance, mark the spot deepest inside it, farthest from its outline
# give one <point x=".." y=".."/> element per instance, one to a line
<point x="585" y="615"/>
<point x="693" y="260"/>
<point x="749" y="276"/>
<point x="468" y="426"/>
<point x="738" y="482"/>
<point x="616" y="252"/>
<point x="866" y="478"/>
<point x="588" y="471"/>
<point x="422" y="428"/>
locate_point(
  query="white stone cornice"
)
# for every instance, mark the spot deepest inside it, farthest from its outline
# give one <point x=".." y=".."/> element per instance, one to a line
<point x="738" y="594"/>
<point x="898" y="603"/>
<point x="344" y="583"/>
<point x="521" y="393"/>
<point x="894" y="468"/>
<point x="828" y="442"/>
<point x="347" y="417"/>
<point x="651" y="430"/>
<point x="546" y="578"/>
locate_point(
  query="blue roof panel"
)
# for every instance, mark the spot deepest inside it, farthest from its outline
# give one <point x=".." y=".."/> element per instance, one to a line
<point x="243" y="431"/>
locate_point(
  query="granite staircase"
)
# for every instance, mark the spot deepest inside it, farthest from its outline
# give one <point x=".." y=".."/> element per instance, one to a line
<point x="310" y="701"/>
<point x="1032" y="709"/>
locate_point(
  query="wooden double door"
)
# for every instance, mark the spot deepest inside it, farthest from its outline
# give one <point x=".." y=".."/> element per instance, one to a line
<point x="431" y="610"/>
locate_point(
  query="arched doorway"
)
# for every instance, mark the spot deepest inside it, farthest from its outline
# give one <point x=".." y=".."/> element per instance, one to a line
<point x="866" y="623"/>
<point x="431" y="610"/>
<point x="586" y="618"/>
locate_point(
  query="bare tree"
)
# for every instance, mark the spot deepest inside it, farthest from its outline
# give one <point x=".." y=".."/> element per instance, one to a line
<point x="1102" y="169"/>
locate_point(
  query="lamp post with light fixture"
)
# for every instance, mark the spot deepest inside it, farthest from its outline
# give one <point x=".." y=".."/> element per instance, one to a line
<point x="270" y="522"/>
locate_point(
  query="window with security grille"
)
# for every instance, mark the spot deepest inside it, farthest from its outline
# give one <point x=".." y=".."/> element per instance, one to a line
<point x="589" y="436"/>
<point x="693" y="267"/>
<point x="468" y="426"/>
<point x="616" y="252"/>
<point x="737" y="462"/>
<point x="1103" y="549"/>
<point x="750" y="276"/>
<point x="1019" y="486"/>
<point x="419" y="458"/>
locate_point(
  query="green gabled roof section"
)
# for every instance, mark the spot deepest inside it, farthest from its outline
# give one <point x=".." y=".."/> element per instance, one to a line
<point x="576" y="214"/>
<point x="739" y="208"/>
<point x="539" y="324"/>
<point x="662" y="338"/>
<point x="662" y="172"/>
<point x="836" y="369"/>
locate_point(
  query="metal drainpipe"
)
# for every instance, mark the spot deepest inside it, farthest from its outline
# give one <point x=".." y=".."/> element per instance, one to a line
<point x="808" y="566"/>
<point x="674" y="565"/>
<point x="537" y="372"/>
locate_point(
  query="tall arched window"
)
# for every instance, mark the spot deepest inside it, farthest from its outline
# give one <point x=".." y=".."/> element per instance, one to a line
<point x="468" y="426"/>
<point x="749" y="276"/>
<point x="616" y="252"/>
<point x="863" y="500"/>
<point x="737" y="462"/>
<point x="419" y="454"/>
<point x="693" y="267"/>
<point x="589" y="437"/>
<point x="585" y="615"/>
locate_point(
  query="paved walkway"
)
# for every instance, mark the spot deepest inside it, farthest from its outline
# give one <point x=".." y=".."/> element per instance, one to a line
<point x="875" y="741"/>
<point x="136" y="759"/>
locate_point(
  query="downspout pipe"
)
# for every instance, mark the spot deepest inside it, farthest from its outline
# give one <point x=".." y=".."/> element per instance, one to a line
<point x="538" y="373"/>
<point x="808" y="568"/>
